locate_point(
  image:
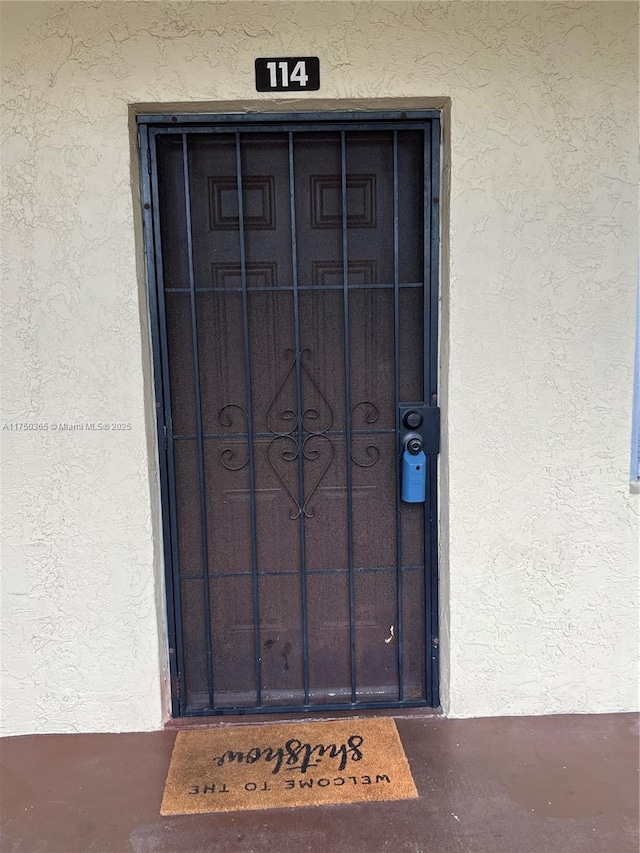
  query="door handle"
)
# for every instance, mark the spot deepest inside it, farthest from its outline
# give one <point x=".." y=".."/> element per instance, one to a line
<point x="414" y="470"/>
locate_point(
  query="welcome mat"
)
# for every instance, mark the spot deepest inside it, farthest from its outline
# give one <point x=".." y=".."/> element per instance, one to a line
<point x="286" y="764"/>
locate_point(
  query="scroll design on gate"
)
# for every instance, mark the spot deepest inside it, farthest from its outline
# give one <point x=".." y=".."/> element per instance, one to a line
<point x="289" y="443"/>
<point x="312" y="441"/>
<point x="228" y="455"/>
<point x="369" y="413"/>
<point x="321" y="412"/>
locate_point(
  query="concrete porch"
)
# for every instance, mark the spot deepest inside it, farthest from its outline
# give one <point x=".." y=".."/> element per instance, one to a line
<point x="561" y="784"/>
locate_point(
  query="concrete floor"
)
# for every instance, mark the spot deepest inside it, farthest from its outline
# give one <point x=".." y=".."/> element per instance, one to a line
<point x="565" y="784"/>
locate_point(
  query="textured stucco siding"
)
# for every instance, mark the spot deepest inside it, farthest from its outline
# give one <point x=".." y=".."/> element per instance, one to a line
<point x="539" y="531"/>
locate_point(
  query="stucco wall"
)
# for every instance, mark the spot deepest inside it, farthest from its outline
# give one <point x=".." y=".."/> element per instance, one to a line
<point x="539" y="530"/>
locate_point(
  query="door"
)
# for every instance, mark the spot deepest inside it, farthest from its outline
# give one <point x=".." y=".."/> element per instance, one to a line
<point x="293" y="289"/>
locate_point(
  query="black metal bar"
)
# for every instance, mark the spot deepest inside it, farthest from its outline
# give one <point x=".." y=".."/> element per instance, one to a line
<point x="426" y="371"/>
<point x="426" y="301"/>
<point x="299" y="709"/>
<point x="396" y="385"/>
<point x="434" y="271"/>
<point x="435" y="258"/>
<point x="249" y="407"/>
<point x="289" y="127"/>
<point x="198" y="403"/>
<point x="310" y="287"/>
<point x="300" y="429"/>
<point x="269" y="435"/>
<point x="434" y="645"/>
<point x="291" y="572"/>
<point x="168" y="424"/>
<point x="347" y="413"/>
<point x="301" y="119"/>
<point x="163" y="409"/>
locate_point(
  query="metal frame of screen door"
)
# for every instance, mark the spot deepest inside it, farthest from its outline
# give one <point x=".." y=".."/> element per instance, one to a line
<point x="149" y="126"/>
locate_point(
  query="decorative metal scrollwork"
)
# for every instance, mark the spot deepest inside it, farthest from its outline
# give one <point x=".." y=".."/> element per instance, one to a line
<point x="228" y="455"/>
<point x="307" y="439"/>
<point x="321" y="413"/>
<point x="288" y="448"/>
<point x="289" y="443"/>
<point x="312" y="454"/>
<point x="369" y="412"/>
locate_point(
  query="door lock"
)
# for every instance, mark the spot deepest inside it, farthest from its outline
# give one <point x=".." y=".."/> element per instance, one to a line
<point x="413" y="443"/>
<point x="413" y="419"/>
<point x="419" y="438"/>
<point x="417" y="419"/>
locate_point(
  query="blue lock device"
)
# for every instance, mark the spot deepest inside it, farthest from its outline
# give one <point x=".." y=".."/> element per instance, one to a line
<point x="414" y="471"/>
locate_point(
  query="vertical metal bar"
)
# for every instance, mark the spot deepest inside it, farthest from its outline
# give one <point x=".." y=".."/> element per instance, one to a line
<point x="426" y="273"/>
<point x="153" y="250"/>
<point x="434" y="272"/>
<point x="396" y="386"/>
<point x="347" y="405"/>
<point x="251" y="450"/>
<point x="426" y="381"/>
<point x="296" y="321"/>
<point x="198" y="401"/>
<point x="426" y="393"/>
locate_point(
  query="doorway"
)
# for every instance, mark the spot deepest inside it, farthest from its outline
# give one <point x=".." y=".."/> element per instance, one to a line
<point x="293" y="275"/>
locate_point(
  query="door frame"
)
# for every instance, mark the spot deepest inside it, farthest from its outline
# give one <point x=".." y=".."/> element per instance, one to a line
<point x="148" y="124"/>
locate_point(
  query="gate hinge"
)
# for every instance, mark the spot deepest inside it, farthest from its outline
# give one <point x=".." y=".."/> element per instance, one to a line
<point x="178" y="690"/>
<point x="166" y="440"/>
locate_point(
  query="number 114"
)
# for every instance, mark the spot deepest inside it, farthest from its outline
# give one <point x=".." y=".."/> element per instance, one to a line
<point x="298" y="75"/>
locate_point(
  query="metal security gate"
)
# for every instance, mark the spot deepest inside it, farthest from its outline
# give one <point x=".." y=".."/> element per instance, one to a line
<point x="292" y="263"/>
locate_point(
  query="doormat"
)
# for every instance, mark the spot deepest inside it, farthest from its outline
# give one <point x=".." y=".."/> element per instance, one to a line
<point x="281" y="765"/>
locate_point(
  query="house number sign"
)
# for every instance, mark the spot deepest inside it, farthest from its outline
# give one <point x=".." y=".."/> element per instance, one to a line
<point x="288" y="74"/>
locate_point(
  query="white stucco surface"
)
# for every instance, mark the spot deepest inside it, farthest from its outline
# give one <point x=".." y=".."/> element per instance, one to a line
<point x="539" y="529"/>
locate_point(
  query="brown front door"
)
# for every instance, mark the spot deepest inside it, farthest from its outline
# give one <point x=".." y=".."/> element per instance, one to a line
<point x="291" y="321"/>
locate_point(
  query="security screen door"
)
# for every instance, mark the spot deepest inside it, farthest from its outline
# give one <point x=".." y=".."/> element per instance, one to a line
<point x="293" y="275"/>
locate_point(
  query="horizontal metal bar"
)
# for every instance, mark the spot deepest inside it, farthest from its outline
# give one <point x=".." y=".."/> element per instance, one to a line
<point x="248" y="118"/>
<point x="289" y="128"/>
<point x="309" y="287"/>
<point x="298" y="709"/>
<point x="333" y="432"/>
<point x="295" y="572"/>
